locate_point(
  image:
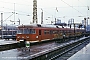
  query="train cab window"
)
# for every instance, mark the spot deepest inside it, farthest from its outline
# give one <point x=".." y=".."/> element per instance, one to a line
<point x="26" y="31"/>
<point x="20" y="31"/>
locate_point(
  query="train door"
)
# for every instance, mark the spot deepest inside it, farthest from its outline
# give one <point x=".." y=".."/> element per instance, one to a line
<point x="40" y="34"/>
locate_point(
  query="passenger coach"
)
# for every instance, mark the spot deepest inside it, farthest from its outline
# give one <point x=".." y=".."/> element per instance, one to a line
<point x="37" y="32"/>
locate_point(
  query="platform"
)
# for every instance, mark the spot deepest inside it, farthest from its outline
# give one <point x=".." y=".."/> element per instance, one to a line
<point x="23" y="53"/>
<point x="20" y="53"/>
<point x="3" y="41"/>
<point x="83" y="54"/>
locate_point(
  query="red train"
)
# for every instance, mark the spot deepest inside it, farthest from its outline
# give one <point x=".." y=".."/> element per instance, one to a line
<point x="38" y="32"/>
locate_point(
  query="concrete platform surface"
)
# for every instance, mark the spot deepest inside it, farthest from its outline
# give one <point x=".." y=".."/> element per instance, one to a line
<point x="83" y="54"/>
<point x="3" y="41"/>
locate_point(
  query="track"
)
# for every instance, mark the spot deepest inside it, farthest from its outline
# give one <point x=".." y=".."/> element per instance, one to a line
<point x="72" y="50"/>
<point x="61" y="49"/>
<point x="45" y="51"/>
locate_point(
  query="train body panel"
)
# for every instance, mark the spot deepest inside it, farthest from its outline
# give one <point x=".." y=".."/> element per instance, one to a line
<point x="37" y="33"/>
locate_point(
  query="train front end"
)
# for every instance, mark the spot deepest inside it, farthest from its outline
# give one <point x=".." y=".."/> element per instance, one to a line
<point x="26" y="33"/>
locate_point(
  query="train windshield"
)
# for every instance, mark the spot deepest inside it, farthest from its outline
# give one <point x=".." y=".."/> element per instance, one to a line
<point x="26" y="31"/>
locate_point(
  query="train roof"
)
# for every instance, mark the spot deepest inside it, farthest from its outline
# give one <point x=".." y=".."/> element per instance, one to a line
<point x="46" y="26"/>
<point x="41" y="25"/>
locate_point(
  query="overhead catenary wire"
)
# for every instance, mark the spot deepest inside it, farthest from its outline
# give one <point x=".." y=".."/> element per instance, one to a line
<point x="58" y="9"/>
<point x="7" y="17"/>
<point x="15" y="3"/>
<point x="72" y="7"/>
<point x="11" y="15"/>
<point x="15" y="10"/>
<point x="45" y="8"/>
<point x="46" y="12"/>
<point x="54" y="8"/>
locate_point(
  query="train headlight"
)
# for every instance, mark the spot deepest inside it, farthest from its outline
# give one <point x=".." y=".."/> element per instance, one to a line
<point x="36" y="36"/>
<point x="22" y="37"/>
<point x="27" y="36"/>
<point x="18" y="37"/>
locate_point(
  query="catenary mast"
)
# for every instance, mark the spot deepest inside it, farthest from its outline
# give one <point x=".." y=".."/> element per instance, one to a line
<point x="35" y="11"/>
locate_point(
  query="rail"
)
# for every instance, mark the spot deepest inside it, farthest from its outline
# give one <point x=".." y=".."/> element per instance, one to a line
<point x="47" y="54"/>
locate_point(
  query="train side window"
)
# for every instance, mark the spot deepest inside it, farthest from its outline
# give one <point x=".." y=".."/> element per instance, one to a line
<point x="51" y="31"/>
<point x="55" y="31"/>
<point x="46" y="32"/>
<point x="39" y="32"/>
<point x="32" y="31"/>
